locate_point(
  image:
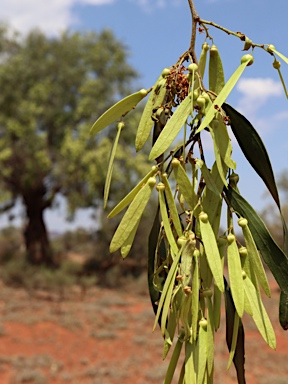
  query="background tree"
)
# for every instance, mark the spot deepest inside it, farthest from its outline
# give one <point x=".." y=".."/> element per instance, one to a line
<point x="51" y="91"/>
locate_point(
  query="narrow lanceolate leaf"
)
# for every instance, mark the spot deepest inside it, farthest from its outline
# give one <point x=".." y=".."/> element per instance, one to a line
<point x="174" y="360"/>
<point x="172" y="128"/>
<point x="216" y="73"/>
<point x="211" y="250"/>
<point x="117" y="110"/>
<point x="201" y="352"/>
<point x="220" y="99"/>
<point x="166" y="222"/>
<point x="239" y="355"/>
<point x="253" y="148"/>
<point x="184" y="184"/>
<point x="186" y="259"/>
<point x="223" y="142"/>
<point x="167" y="302"/>
<point x="131" y="217"/>
<point x="217" y="293"/>
<point x="172" y="206"/>
<point x="209" y="181"/>
<point x="195" y="294"/>
<point x="219" y="162"/>
<point x="152" y="245"/>
<point x="235" y="274"/>
<point x="125" y="249"/>
<point x="259" y="316"/>
<point x="255" y="260"/>
<point x="210" y="336"/>
<point x="146" y="123"/>
<point x="190" y="374"/>
<point x="169" y="280"/>
<point x="128" y="198"/>
<point x="273" y="256"/>
<point x="202" y="64"/>
<point x="234" y="339"/>
<point x="120" y="126"/>
<point x="283" y="311"/>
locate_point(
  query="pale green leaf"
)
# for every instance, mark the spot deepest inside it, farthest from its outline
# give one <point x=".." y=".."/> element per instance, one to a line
<point x="128" y="198"/>
<point x="260" y="316"/>
<point x="201" y="354"/>
<point x="210" y="336"/>
<point x="216" y="73"/>
<point x="120" y="126"/>
<point x="117" y="110"/>
<point x="235" y="276"/>
<point x="195" y="295"/>
<point x="284" y="58"/>
<point x="234" y="339"/>
<point x="212" y="253"/>
<point x="210" y="184"/>
<point x="125" y="249"/>
<point x="220" y="99"/>
<point x="172" y="128"/>
<point x="174" y="360"/>
<point x="146" y="123"/>
<point x="185" y="186"/>
<point x="131" y="217"/>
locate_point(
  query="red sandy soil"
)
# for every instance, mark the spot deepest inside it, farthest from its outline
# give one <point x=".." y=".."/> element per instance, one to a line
<point x="106" y="337"/>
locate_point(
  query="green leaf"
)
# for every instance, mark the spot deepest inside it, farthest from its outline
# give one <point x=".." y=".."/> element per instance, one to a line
<point x="166" y="222"/>
<point x="174" y="360"/>
<point x="283" y="311"/>
<point x="146" y="123"/>
<point x="172" y="206"/>
<point x="195" y="295"/>
<point x="131" y="217"/>
<point x="222" y="169"/>
<point x="239" y="355"/>
<point x="273" y="256"/>
<point x="216" y="73"/>
<point x="202" y="64"/>
<point x="190" y="374"/>
<point x="209" y="181"/>
<point x="201" y="354"/>
<point x="234" y="339"/>
<point x="253" y="149"/>
<point x="255" y="260"/>
<point x="220" y="99"/>
<point x="212" y="252"/>
<point x="172" y="128"/>
<point x="120" y="126"/>
<point x="125" y="249"/>
<point x="235" y="276"/>
<point x="185" y="186"/>
<point x="128" y="198"/>
<point x="117" y="110"/>
<point x="210" y="336"/>
<point x="152" y="245"/>
<point x="259" y="316"/>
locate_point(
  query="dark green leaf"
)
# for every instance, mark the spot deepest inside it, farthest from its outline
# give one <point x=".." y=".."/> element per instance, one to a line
<point x="273" y="256"/>
<point x="253" y="148"/>
<point x="239" y="356"/>
<point x="283" y="310"/>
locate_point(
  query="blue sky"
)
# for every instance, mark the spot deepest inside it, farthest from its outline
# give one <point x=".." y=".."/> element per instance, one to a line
<point x="157" y="32"/>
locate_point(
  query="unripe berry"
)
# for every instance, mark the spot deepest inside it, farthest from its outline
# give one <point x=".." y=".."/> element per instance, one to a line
<point x="270" y="48"/>
<point x="196" y="253"/>
<point x="213" y="50"/>
<point x="203" y="323"/>
<point x="205" y="46"/>
<point x="276" y="64"/>
<point x="160" y="187"/>
<point x="175" y="163"/>
<point x="242" y="222"/>
<point x="244" y="275"/>
<point x="120" y="125"/>
<point x="166" y="72"/>
<point x="203" y="217"/>
<point x="243" y="251"/>
<point x="230" y="238"/>
<point x="192" y="67"/>
<point x="201" y="102"/>
<point x="151" y="181"/>
<point x="181" y="241"/>
<point x="248" y="58"/>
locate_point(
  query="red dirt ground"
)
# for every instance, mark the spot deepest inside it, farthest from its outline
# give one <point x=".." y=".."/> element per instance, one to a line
<point x="106" y="338"/>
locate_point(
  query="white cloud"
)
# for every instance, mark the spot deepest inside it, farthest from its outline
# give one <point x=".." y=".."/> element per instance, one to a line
<point x="50" y="16"/>
<point x="256" y="92"/>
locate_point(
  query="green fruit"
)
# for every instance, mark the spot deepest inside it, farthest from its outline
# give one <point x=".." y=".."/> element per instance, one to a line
<point x="231" y="238"/>
<point x="175" y="163"/>
<point x="248" y="58"/>
<point x="187" y="290"/>
<point x="203" y="217"/>
<point x="205" y="46"/>
<point x="213" y="50"/>
<point x="203" y="323"/>
<point x="196" y="253"/>
<point x="242" y="222"/>
<point x="120" y="125"/>
<point x="270" y="48"/>
<point x="143" y="92"/>
<point x="244" y="275"/>
<point x="192" y="67"/>
<point x="181" y="241"/>
<point x="166" y="72"/>
<point x="151" y="181"/>
<point x="195" y="94"/>
<point x="160" y="187"/>
<point x="243" y="251"/>
<point x="276" y="64"/>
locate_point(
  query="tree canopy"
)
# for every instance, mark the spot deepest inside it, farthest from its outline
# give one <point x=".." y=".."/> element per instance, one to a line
<point x="52" y="89"/>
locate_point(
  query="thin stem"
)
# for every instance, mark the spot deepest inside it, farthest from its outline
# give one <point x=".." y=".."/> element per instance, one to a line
<point x="195" y="20"/>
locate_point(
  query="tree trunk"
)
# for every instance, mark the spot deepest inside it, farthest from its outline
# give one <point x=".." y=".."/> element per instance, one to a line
<point x="36" y="237"/>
